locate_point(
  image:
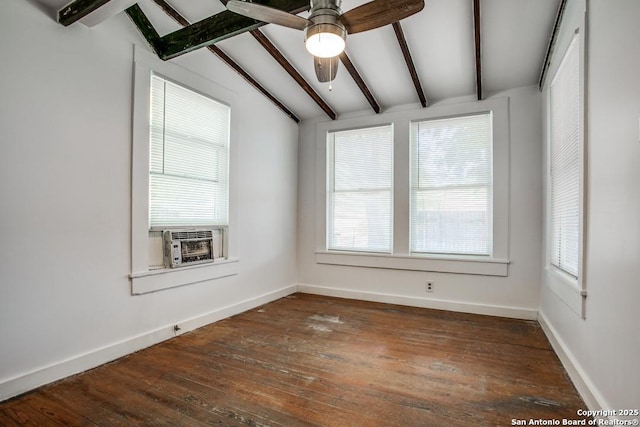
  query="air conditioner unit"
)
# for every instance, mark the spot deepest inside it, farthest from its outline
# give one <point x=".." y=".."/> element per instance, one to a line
<point x="187" y="247"/>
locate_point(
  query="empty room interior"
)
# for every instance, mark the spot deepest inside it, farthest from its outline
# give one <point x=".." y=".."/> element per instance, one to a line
<point x="328" y="213"/>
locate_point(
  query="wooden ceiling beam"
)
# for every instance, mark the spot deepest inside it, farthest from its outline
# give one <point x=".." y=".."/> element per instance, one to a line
<point x="169" y="10"/>
<point x="142" y="23"/>
<point x="409" y="61"/>
<point x="219" y="27"/>
<point x="253" y="82"/>
<point x="77" y="10"/>
<point x="478" y="47"/>
<point x="275" y="53"/>
<point x="359" y="81"/>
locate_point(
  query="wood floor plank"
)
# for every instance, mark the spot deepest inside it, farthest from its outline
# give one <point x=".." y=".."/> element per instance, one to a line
<point x="23" y="414"/>
<point x="205" y="398"/>
<point x="84" y="395"/>
<point x="308" y="360"/>
<point x="56" y="412"/>
<point x="249" y="380"/>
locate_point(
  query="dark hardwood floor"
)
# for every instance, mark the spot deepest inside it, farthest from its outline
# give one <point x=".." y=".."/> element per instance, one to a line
<point x="308" y="360"/>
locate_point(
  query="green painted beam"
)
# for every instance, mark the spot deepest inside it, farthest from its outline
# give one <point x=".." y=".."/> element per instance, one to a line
<point x="219" y="27"/>
<point x="145" y="27"/>
<point x="78" y="9"/>
<point x="227" y="59"/>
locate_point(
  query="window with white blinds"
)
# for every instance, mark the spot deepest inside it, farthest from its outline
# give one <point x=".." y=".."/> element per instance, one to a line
<point x="360" y="197"/>
<point x="565" y="153"/>
<point x="189" y="157"/>
<point x="451" y="185"/>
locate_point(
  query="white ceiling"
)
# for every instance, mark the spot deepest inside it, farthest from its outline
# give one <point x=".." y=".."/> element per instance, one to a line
<point x="514" y="35"/>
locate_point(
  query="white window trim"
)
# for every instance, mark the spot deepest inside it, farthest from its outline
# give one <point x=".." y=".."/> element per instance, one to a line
<point x="401" y="258"/>
<point x="143" y="278"/>
<point x="571" y="290"/>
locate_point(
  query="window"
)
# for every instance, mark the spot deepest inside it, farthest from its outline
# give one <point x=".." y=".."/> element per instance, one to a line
<point x="565" y="112"/>
<point x="189" y="151"/>
<point x="451" y="186"/>
<point x="421" y="190"/>
<point x="181" y="171"/>
<point x="360" y="176"/>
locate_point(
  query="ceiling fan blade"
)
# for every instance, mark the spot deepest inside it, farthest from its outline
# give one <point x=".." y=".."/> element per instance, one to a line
<point x="326" y="68"/>
<point x="378" y="13"/>
<point x="267" y="14"/>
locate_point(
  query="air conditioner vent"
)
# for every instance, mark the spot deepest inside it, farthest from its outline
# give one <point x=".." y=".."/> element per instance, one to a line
<point x="195" y="234"/>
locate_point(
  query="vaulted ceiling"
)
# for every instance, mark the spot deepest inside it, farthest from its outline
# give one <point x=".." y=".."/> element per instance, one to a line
<point x="452" y="48"/>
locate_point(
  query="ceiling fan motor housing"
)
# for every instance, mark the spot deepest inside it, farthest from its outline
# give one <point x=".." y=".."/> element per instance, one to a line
<point x="325" y="24"/>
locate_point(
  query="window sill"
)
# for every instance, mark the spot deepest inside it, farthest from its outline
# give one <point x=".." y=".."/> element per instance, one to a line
<point x="166" y="278"/>
<point x="460" y="265"/>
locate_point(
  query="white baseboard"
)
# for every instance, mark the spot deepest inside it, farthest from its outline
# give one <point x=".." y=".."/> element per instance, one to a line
<point x="464" y="307"/>
<point x="587" y="390"/>
<point x="80" y="363"/>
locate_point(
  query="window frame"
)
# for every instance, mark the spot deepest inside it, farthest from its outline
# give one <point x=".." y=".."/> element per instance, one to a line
<point x="570" y="289"/>
<point x="146" y="277"/>
<point x="494" y="265"/>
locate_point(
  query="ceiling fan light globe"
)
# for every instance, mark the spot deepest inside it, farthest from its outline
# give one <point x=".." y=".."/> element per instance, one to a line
<point x="325" y="40"/>
<point x="325" y="45"/>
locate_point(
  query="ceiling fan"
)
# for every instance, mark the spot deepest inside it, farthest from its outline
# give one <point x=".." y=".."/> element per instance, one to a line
<point x="327" y="27"/>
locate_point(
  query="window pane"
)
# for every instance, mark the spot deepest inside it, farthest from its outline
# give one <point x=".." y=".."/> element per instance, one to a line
<point x="360" y="172"/>
<point x="451" y="221"/>
<point x="195" y="116"/>
<point x="454" y="152"/>
<point x="566" y="125"/>
<point x="361" y="221"/>
<point x="184" y="201"/>
<point x="184" y="157"/>
<point x="451" y="192"/>
<point x="189" y="140"/>
<point x="363" y="159"/>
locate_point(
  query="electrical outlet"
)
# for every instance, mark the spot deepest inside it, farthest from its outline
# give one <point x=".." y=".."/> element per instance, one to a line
<point x="429" y="287"/>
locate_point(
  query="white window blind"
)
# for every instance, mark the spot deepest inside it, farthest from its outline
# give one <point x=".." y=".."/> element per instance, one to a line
<point x="360" y="180"/>
<point x="189" y="157"/>
<point x="451" y="185"/>
<point x="566" y="135"/>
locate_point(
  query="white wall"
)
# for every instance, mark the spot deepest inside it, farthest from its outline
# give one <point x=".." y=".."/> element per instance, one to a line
<point x="603" y="350"/>
<point x="65" y="185"/>
<point x="516" y="295"/>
